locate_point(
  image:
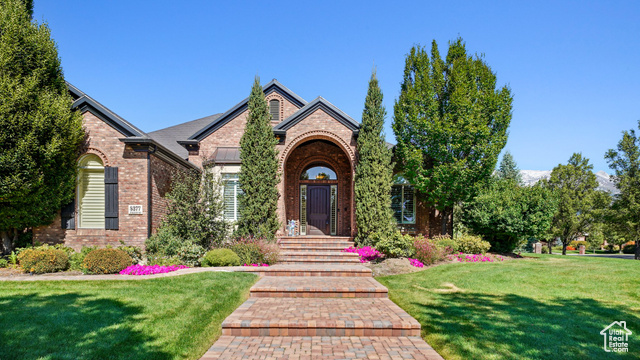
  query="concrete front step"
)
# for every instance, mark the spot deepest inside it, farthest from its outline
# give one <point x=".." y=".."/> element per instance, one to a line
<point x="318" y="287"/>
<point x="316" y="347"/>
<point x="320" y="317"/>
<point x="334" y="270"/>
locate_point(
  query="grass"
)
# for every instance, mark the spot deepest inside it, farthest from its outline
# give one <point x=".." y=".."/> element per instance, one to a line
<point x="167" y="318"/>
<point x="540" y="307"/>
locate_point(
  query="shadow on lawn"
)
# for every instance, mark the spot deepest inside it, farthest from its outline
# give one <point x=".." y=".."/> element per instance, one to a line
<point x="71" y="326"/>
<point x="480" y="326"/>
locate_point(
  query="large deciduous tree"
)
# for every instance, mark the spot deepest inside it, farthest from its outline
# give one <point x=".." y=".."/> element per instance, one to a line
<point x="575" y="185"/>
<point x="625" y="161"/>
<point x="259" y="174"/>
<point x="39" y="134"/>
<point x="374" y="172"/>
<point x="450" y="124"/>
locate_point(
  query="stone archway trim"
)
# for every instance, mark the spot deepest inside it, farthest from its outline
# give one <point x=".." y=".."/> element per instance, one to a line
<point x="315" y="135"/>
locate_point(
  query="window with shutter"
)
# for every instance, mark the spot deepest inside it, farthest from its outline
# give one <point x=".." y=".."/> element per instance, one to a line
<point x="91" y="193"/>
<point x="274" y="110"/>
<point x="403" y="202"/>
<point x="231" y="190"/>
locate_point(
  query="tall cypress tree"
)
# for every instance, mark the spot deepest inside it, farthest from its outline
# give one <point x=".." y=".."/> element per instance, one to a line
<point x="374" y="171"/>
<point x="39" y="134"/>
<point x="259" y="175"/>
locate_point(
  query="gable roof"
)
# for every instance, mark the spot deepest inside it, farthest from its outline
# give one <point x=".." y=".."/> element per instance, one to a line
<point x="133" y="135"/>
<point x="170" y="136"/>
<point x="273" y="86"/>
<point x="318" y="103"/>
<point x="84" y="102"/>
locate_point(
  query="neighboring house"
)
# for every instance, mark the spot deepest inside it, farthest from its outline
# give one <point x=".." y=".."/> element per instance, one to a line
<point x="317" y="156"/>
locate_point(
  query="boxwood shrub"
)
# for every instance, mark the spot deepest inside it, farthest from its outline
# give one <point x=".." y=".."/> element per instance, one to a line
<point x="106" y="261"/>
<point x="43" y="260"/>
<point x="221" y="257"/>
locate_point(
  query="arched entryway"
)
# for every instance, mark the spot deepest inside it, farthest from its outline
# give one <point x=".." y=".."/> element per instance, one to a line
<point x="318" y="188"/>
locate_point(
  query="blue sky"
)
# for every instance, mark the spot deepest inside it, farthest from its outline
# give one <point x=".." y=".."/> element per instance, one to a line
<point x="573" y="66"/>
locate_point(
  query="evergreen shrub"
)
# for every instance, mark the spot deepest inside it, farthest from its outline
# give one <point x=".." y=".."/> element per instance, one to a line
<point x="396" y="245"/>
<point x="221" y="257"/>
<point x="471" y="244"/>
<point x="43" y="260"/>
<point x="106" y="261"/>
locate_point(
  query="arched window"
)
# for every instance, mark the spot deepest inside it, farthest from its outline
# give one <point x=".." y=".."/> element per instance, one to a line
<point x="274" y="110"/>
<point x="403" y="201"/>
<point x="91" y="192"/>
<point x="318" y="173"/>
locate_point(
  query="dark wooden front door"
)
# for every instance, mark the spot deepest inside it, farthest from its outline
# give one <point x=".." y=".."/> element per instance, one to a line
<point x="318" y="209"/>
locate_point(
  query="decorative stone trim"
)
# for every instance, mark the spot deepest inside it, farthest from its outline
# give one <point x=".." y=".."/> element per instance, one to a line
<point x="276" y="96"/>
<point x="99" y="153"/>
<point x="315" y="135"/>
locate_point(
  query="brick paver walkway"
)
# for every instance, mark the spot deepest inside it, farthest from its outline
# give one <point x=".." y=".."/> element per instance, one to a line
<point x="307" y="310"/>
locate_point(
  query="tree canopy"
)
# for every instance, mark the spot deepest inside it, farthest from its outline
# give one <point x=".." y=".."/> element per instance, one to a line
<point x="625" y="161"/>
<point x="259" y="176"/>
<point x="450" y="123"/>
<point x="374" y="172"/>
<point x="505" y="213"/>
<point x="575" y="185"/>
<point x="39" y="134"/>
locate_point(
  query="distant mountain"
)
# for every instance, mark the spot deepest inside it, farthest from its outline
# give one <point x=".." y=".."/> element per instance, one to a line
<point x="605" y="183"/>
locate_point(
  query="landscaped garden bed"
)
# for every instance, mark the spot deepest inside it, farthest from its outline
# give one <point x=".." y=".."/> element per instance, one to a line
<point x="167" y="318"/>
<point x="538" y="307"/>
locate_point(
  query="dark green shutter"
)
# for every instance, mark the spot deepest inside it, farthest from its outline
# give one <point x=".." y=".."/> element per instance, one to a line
<point x="68" y="215"/>
<point x="111" y="198"/>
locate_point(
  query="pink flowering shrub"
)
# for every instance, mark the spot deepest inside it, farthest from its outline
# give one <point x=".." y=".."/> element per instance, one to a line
<point x="416" y="263"/>
<point x="460" y="257"/>
<point x="255" y="265"/>
<point x="253" y="250"/>
<point x="366" y="253"/>
<point x="429" y="252"/>
<point x="150" y="269"/>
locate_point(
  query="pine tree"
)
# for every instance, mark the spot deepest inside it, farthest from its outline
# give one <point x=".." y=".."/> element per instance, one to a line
<point x="450" y="123"/>
<point x="259" y="176"/>
<point x="374" y="172"/>
<point x="39" y="134"/>
<point x="508" y="169"/>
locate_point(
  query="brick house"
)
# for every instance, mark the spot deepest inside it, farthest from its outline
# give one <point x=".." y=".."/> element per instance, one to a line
<point x="123" y="168"/>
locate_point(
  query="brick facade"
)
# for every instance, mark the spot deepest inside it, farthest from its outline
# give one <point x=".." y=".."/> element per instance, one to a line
<point x="317" y="137"/>
<point x="133" y="189"/>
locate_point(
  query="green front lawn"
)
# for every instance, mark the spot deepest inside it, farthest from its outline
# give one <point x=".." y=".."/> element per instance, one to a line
<point x="169" y="318"/>
<point x="540" y="307"/>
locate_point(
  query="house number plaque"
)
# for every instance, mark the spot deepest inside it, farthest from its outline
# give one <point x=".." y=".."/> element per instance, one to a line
<point x="135" y="209"/>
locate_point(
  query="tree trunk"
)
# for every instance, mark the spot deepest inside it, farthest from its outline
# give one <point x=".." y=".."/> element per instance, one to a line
<point x="550" y="245"/>
<point x="444" y="221"/>
<point x="6" y="244"/>
<point x="637" y="255"/>
<point x="564" y="248"/>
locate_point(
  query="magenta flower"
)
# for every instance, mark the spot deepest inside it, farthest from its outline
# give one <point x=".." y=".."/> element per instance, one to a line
<point x="150" y="269"/>
<point x="416" y="263"/>
<point x="366" y="253"/>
